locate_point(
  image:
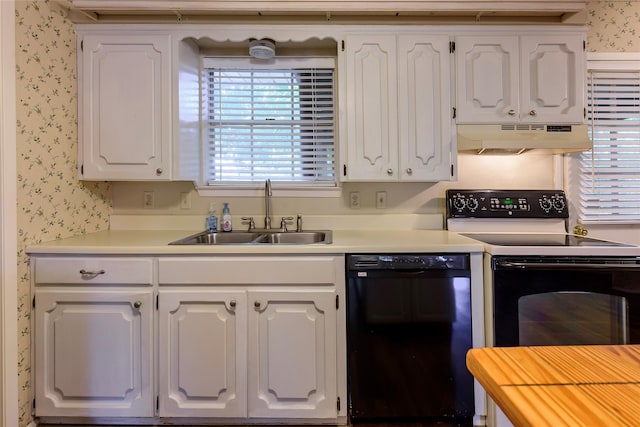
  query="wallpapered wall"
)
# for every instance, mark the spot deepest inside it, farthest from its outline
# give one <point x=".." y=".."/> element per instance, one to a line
<point x="614" y="26"/>
<point x="53" y="204"/>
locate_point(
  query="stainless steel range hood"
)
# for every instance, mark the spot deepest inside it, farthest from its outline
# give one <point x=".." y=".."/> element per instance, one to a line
<point x="518" y="138"/>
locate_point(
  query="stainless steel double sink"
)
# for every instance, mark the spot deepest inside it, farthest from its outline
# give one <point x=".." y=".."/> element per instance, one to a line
<point x="273" y="237"/>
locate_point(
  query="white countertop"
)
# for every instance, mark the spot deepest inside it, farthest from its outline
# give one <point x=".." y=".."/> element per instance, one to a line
<point x="155" y="242"/>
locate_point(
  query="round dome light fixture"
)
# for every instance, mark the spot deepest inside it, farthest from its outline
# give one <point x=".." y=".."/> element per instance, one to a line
<point x="262" y="49"/>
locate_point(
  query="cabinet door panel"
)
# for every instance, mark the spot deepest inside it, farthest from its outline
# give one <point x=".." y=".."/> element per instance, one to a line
<point x="292" y="354"/>
<point x="487" y="79"/>
<point x="202" y="353"/>
<point x="372" y="105"/>
<point x="125" y="107"/>
<point x="424" y="108"/>
<point x="553" y="82"/>
<point x="93" y="353"/>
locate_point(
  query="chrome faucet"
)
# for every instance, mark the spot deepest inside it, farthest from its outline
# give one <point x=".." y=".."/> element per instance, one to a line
<point x="267" y="204"/>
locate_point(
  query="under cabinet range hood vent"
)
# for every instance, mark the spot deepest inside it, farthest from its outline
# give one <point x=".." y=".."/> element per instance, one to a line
<point x="518" y="138"/>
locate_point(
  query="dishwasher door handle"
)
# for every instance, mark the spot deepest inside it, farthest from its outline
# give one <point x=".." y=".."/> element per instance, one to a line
<point x="563" y="266"/>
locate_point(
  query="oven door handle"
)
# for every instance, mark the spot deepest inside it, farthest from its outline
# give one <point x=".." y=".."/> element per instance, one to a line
<point x="563" y="266"/>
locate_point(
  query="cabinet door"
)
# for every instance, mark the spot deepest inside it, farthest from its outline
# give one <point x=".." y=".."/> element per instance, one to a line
<point x="202" y="359"/>
<point x="292" y="354"/>
<point x="553" y="79"/>
<point x="371" y="111"/>
<point x="93" y="353"/>
<point x="424" y="108"/>
<point x="125" y="114"/>
<point x="487" y="79"/>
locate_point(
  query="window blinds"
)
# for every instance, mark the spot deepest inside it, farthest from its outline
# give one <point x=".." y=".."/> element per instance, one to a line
<point x="610" y="173"/>
<point x="272" y="122"/>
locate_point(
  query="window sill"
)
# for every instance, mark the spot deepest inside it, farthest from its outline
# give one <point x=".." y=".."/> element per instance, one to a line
<point x="245" y="191"/>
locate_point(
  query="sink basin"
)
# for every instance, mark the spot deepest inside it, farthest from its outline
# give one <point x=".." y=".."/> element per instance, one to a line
<point x="301" y="238"/>
<point x="274" y="237"/>
<point x="215" y="238"/>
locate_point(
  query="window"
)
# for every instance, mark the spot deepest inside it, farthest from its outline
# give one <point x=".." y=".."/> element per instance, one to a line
<point x="273" y="121"/>
<point x="609" y="175"/>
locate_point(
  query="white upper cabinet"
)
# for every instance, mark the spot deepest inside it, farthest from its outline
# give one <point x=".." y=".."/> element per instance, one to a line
<point x="371" y="110"/>
<point x="520" y="79"/>
<point x="125" y="111"/>
<point x="424" y="108"/>
<point x="397" y="110"/>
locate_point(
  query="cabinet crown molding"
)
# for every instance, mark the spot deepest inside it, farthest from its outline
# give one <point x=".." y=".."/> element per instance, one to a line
<point x="337" y="11"/>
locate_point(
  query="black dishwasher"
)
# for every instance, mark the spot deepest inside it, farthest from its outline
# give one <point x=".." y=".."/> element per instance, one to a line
<point x="408" y="331"/>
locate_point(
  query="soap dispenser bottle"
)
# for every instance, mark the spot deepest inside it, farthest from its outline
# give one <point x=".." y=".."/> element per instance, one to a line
<point x="212" y="219"/>
<point x="226" y="218"/>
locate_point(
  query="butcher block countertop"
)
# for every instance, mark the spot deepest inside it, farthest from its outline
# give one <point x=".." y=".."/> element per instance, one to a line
<point x="562" y="385"/>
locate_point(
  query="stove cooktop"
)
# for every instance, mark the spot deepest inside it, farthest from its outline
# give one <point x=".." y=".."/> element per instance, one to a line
<point x="527" y="239"/>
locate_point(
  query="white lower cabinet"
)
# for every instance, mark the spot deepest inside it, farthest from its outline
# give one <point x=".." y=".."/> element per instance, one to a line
<point x="291" y="362"/>
<point x="93" y="353"/>
<point x="239" y="338"/>
<point x="251" y="337"/>
<point x="202" y="353"/>
<point x="258" y="354"/>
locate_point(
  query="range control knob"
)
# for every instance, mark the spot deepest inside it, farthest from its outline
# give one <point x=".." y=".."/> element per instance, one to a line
<point x="472" y="204"/>
<point x="545" y="204"/>
<point x="559" y="204"/>
<point x="459" y="203"/>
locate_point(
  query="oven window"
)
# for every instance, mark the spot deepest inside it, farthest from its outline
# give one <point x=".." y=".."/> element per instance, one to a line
<point x="572" y="318"/>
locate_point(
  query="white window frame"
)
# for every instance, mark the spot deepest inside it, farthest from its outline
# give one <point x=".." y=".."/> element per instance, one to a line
<point x="613" y="62"/>
<point x="253" y="189"/>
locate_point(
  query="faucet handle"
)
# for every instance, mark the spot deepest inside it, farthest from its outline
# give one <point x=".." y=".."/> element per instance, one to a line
<point x="283" y="223"/>
<point x="249" y="219"/>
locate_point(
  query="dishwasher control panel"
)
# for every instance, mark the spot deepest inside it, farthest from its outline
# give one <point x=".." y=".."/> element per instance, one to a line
<point x="506" y="204"/>
<point x="408" y="262"/>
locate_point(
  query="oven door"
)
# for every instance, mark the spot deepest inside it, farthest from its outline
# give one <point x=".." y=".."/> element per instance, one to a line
<point x="566" y="300"/>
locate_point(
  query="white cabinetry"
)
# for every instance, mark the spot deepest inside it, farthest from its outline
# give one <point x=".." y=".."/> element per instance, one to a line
<point x="203" y="353"/>
<point x="398" y="110"/>
<point x="251" y="337"/>
<point x="534" y="78"/>
<point x="93" y="351"/>
<point x="124" y="83"/>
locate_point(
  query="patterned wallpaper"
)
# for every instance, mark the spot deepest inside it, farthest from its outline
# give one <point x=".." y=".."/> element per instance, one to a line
<point x="52" y="203"/>
<point x="614" y="26"/>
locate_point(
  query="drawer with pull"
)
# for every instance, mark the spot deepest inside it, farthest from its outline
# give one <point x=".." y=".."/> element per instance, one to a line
<point x="90" y="270"/>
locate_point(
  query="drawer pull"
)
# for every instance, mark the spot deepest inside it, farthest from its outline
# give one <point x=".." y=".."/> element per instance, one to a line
<point x="137" y="304"/>
<point x="256" y="304"/>
<point x="232" y="303"/>
<point x="91" y="272"/>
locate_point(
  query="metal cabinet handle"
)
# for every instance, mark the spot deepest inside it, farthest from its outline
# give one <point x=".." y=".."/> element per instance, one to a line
<point x="409" y="171"/>
<point x="159" y="171"/>
<point x="137" y="304"/>
<point x="389" y="171"/>
<point x="91" y="272"/>
<point x="256" y="304"/>
<point x="232" y="303"/>
<point x="533" y="113"/>
<point x="511" y="112"/>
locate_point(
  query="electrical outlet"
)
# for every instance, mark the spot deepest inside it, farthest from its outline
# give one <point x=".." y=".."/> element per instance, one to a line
<point x="185" y="200"/>
<point x="381" y="199"/>
<point x="148" y="201"/>
<point x="354" y="200"/>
